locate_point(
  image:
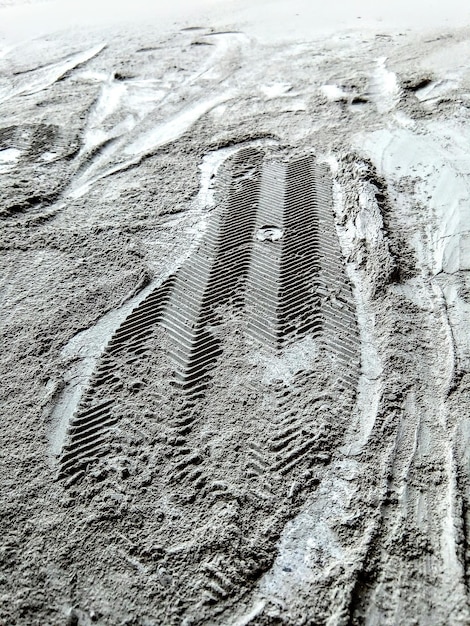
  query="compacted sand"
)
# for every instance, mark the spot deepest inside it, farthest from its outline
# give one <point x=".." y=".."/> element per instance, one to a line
<point x="235" y="319"/>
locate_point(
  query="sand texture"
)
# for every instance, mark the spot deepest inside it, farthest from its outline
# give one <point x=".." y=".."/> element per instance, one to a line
<point x="235" y="321"/>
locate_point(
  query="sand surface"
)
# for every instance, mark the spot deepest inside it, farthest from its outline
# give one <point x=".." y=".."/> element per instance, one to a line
<point x="235" y="313"/>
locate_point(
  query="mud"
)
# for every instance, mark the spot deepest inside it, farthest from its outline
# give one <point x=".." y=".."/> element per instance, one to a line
<point x="235" y="318"/>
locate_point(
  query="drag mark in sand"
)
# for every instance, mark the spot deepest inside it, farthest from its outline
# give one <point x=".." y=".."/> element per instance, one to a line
<point x="127" y="143"/>
<point x="383" y="87"/>
<point x="147" y="143"/>
<point x="44" y="77"/>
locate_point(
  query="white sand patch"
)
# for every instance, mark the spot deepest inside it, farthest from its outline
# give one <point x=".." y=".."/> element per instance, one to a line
<point x="383" y="87"/>
<point x="107" y="103"/>
<point x="9" y="155"/>
<point x="90" y="76"/>
<point x="227" y="47"/>
<point x="449" y="59"/>
<point x="310" y="549"/>
<point x="299" y="356"/>
<point x="133" y="100"/>
<point x="275" y="90"/>
<point x="437" y="89"/>
<point x="49" y="156"/>
<point x="442" y="188"/>
<point x="334" y="93"/>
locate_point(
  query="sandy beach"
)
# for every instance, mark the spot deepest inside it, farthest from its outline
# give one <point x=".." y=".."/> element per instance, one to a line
<point x="235" y="313"/>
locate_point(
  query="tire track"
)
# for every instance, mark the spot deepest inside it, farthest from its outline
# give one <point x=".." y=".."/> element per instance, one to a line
<point x="193" y="317"/>
<point x="264" y="273"/>
<point x="298" y="304"/>
<point x="340" y="333"/>
<point x="299" y="436"/>
<point x="280" y="297"/>
<point x="272" y="247"/>
<point x="218" y="580"/>
<point x="268" y="270"/>
<point x="186" y="307"/>
<point x="90" y="425"/>
<point x="211" y="279"/>
<point x="297" y="285"/>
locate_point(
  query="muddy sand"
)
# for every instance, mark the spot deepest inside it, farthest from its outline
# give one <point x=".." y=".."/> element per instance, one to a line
<point x="235" y="319"/>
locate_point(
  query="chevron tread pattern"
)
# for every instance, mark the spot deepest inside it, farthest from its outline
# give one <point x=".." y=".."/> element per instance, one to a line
<point x="279" y="289"/>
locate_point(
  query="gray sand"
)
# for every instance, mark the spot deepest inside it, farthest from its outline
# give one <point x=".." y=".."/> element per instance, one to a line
<point x="235" y="313"/>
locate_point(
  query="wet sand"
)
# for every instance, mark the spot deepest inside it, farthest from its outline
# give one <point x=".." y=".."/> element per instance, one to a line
<point x="235" y="315"/>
